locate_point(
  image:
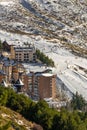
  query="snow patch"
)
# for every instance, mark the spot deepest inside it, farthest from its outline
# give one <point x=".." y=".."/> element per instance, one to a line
<point x="6" y="3"/>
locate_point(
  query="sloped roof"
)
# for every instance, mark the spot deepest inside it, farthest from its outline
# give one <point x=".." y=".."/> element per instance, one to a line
<point x="2" y="72"/>
<point x="4" y="84"/>
<point x="19" y="82"/>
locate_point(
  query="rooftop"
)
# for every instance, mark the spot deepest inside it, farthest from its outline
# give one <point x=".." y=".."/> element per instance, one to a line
<point x="36" y="67"/>
<point x="47" y="74"/>
<point x="2" y="72"/>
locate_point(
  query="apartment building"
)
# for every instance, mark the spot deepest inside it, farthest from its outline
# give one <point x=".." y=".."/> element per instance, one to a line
<point x="41" y="85"/>
<point x="12" y="70"/>
<point x="45" y="86"/>
<point x="19" y="53"/>
<point x="25" y="54"/>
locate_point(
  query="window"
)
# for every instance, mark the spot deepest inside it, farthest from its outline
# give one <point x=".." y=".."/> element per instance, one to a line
<point x="26" y="57"/>
<point x="16" y="55"/>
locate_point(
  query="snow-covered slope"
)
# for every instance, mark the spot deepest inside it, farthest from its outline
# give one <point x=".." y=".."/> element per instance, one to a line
<point x="58" y="28"/>
<point x="60" y="19"/>
<point x="70" y="69"/>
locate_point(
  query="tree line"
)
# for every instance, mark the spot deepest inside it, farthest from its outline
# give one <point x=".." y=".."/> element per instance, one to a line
<point x="45" y="59"/>
<point x="48" y="118"/>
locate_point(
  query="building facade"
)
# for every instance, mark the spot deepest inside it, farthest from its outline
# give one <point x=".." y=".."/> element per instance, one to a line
<point x="41" y="85"/>
<point x="19" y="53"/>
<point x="8" y="70"/>
<point x="2" y="76"/>
<point x="25" y="54"/>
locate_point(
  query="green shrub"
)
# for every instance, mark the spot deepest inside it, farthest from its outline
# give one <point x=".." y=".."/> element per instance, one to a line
<point x="45" y="59"/>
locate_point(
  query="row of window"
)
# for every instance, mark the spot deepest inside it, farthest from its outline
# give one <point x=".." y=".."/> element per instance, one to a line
<point x="25" y="54"/>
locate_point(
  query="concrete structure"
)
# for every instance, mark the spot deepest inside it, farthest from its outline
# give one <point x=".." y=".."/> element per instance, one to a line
<point x="45" y="86"/>
<point x="25" y="54"/>
<point x="19" y="53"/>
<point x="41" y="85"/>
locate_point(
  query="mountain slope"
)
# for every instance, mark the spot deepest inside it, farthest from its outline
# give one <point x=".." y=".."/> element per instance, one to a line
<point x="63" y="20"/>
<point x="10" y="120"/>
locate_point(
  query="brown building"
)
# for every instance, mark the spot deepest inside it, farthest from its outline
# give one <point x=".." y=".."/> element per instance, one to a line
<point x="29" y="83"/>
<point x="45" y="86"/>
<point x="8" y="70"/>
<point x="13" y="70"/>
<point x="2" y="76"/>
<point x="18" y="71"/>
<point x="41" y="85"/>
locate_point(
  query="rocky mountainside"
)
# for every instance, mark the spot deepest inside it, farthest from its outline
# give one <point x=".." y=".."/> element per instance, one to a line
<point x="64" y="20"/>
<point x="11" y="120"/>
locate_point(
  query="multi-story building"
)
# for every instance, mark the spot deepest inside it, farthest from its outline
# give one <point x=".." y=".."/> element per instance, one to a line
<point x="25" y="54"/>
<point x="12" y="70"/>
<point x="45" y="85"/>
<point x="38" y="85"/>
<point x="20" y="53"/>
<point x="41" y="85"/>
<point x="7" y="68"/>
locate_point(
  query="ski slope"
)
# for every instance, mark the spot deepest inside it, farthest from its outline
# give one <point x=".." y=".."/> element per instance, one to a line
<point x="74" y="79"/>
